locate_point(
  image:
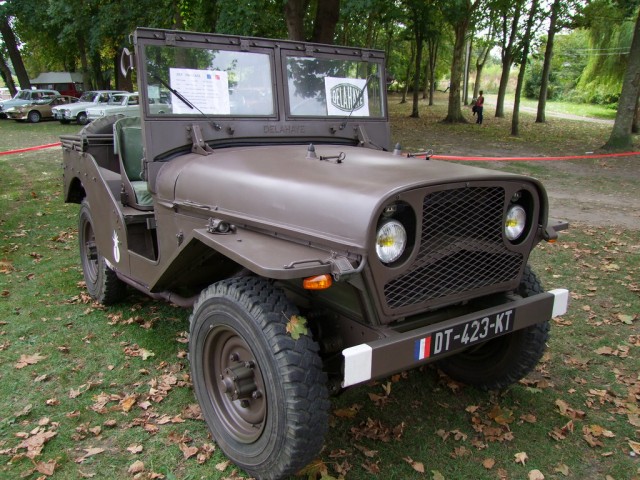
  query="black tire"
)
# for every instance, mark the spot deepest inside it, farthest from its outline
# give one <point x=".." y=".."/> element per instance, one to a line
<point x="34" y="116"/>
<point x="276" y="424"/>
<point x="102" y="282"/>
<point x="505" y="360"/>
<point x="82" y="119"/>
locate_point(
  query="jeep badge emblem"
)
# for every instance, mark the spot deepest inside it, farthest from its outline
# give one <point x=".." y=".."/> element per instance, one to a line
<point x="116" y="247"/>
<point x="347" y="97"/>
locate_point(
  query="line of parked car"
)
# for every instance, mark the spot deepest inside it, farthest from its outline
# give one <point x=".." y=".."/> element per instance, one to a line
<point x="36" y="105"/>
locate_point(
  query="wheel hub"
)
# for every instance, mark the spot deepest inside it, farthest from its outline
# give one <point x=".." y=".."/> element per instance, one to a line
<point x="238" y="381"/>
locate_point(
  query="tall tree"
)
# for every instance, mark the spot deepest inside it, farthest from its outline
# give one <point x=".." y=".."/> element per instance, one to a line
<point x="526" y="44"/>
<point x="510" y="19"/>
<point x="620" y="137"/>
<point x="327" y="13"/>
<point x="458" y="14"/>
<point x="484" y="47"/>
<point x="546" y="67"/>
<point x="11" y="44"/>
<point x="5" y="73"/>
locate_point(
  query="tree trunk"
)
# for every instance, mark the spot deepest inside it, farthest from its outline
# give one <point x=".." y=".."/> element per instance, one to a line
<point x="467" y="70"/>
<point x="327" y="15"/>
<point x="480" y="63"/>
<point x="294" y="11"/>
<point x="546" y="68"/>
<point x="6" y="76"/>
<point x="433" y="59"/>
<point x="427" y="76"/>
<point x="84" y="63"/>
<point x="507" y="57"/>
<point x="635" y="128"/>
<point x="526" y="43"/>
<point x="408" y="74"/>
<point x="621" y="134"/>
<point x="416" y="77"/>
<point x="11" y="45"/>
<point x="454" y="112"/>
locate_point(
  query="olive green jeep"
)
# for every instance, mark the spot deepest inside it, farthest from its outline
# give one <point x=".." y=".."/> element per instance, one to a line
<point x="265" y="197"/>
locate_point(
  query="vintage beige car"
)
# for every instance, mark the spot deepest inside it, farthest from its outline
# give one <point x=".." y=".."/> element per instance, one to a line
<point x="39" y="109"/>
<point x="268" y="200"/>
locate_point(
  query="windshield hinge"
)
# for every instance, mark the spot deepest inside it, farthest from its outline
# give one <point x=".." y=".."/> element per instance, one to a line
<point x="199" y="146"/>
<point x="170" y="39"/>
<point x="244" y="45"/>
<point x="364" y="140"/>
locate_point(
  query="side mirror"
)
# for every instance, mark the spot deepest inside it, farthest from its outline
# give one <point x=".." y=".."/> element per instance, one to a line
<point x="126" y="62"/>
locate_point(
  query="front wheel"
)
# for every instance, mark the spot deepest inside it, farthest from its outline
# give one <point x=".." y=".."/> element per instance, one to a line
<point x="34" y="116"/>
<point x="505" y="360"/>
<point x="102" y="283"/>
<point x="262" y="393"/>
<point x="82" y="118"/>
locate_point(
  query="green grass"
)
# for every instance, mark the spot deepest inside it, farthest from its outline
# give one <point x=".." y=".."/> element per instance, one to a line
<point x="89" y="364"/>
<point x="581" y="109"/>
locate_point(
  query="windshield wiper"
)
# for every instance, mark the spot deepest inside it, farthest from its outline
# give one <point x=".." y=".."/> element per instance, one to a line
<point x="343" y="125"/>
<point x="176" y="93"/>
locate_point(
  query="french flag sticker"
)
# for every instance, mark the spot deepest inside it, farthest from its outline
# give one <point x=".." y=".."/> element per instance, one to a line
<point x="423" y="348"/>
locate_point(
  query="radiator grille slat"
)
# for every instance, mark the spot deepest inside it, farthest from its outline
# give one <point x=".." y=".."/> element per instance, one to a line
<point x="461" y="248"/>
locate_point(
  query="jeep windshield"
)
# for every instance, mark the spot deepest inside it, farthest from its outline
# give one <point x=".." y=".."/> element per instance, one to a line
<point x="235" y="83"/>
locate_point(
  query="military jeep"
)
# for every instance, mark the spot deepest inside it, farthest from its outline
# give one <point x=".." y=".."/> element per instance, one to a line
<point x="266" y="197"/>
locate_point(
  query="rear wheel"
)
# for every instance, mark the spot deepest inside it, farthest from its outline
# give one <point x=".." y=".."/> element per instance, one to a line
<point x="262" y="393"/>
<point x="34" y="116"/>
<point x="505" y="360"/>
<point x="102" y="282"/>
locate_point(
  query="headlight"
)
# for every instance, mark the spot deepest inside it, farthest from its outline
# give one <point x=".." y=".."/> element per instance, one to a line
<point x="391" y="241"/>
<point x="515" y="222"/>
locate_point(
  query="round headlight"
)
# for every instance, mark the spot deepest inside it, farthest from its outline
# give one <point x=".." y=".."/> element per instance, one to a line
<point x="515" y="222"/>
<point x="391" y="241"/>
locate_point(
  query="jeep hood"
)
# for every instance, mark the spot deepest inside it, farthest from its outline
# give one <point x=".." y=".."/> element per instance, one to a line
<point x="280" y="189"/>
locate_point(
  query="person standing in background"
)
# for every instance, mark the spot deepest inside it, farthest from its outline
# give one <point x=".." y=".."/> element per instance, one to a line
<point x="479" y="107"/>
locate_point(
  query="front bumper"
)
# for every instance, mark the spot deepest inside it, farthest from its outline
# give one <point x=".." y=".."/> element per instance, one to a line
<point x="404" y="351"/>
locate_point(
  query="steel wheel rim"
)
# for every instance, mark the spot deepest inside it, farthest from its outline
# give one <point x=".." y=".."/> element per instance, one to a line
<point x="242" y="418"/>
<point x="90" y="253"/>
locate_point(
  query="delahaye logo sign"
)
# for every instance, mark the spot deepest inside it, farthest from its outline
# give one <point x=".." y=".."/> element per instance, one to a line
<point x="347" y="97"/>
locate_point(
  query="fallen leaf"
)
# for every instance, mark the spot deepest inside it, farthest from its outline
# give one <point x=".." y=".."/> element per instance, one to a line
<point x="635" y="447"/>
<point x="136" y="467"/>
<point x="135" y="448"/>
<point x="437" y="475"/>
<point x="28" y="360"/>
<point x="488" y="463"/>
<point x="535" y="475"/>
<point x="562" y="468"/>
<point x="46" y="468"/>
<point x="417" y="466"/>
<point x="222" y="466"/>
<point x="187" y="451"/>
<point x="521" y="457"/>
<point x="297" y="326"/>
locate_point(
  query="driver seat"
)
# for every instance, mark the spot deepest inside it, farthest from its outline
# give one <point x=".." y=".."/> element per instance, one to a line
<point x="127" y="134"/>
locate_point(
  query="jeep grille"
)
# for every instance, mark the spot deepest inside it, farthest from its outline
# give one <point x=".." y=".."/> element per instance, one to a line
<point x="461" y="249"/>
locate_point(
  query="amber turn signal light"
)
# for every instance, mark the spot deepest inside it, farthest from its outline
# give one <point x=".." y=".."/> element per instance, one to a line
<point x="318" y="282"/>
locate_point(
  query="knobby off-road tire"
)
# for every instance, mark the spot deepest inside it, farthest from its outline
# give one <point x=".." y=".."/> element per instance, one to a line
<point x="503" y="361"/>
<point x="102" y="283"/>
<point x="262" y="393"/>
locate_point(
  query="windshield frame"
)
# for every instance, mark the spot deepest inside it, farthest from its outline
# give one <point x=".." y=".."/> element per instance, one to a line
<point x="368" y="81"/>
<point x="197" y="112"/>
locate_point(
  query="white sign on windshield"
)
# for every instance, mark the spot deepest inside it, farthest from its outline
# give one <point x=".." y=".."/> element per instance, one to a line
<point x="206" y="89"/>
<point x="346" y="96"/>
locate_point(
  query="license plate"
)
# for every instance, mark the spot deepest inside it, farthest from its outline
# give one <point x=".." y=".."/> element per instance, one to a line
<point x="464" y="335"/>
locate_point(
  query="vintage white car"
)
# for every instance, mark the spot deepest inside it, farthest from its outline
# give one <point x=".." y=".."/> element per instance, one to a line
<point x="127" y="104"/>
<point x="78" y="111"/>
